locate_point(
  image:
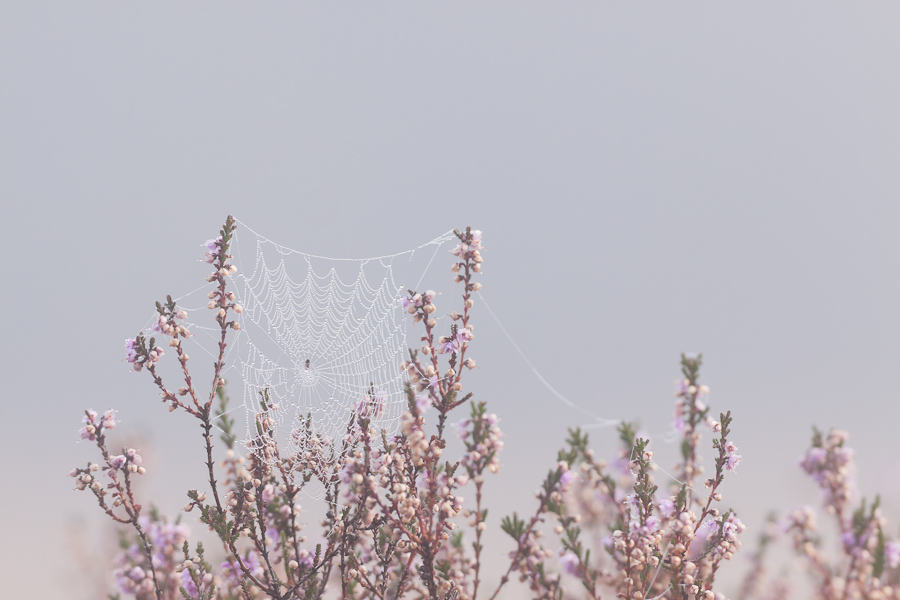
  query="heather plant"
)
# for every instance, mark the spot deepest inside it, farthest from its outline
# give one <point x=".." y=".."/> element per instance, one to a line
<point x="397" y="523"/>
<point x="865" y="564"/>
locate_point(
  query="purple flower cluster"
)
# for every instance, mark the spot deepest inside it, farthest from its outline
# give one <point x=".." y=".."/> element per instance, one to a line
<point x="213" y="249"/>
<point x="733" y="459"/>
<point x="95" y="425"/>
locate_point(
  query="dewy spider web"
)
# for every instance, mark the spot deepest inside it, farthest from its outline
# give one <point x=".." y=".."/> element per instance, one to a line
<point x="318" y="335"/>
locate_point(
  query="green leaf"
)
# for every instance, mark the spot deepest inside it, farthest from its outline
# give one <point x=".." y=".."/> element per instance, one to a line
<point x="878" y="564"/>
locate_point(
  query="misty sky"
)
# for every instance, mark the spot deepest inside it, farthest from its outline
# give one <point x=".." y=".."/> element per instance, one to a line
<point x="650" y="179"/>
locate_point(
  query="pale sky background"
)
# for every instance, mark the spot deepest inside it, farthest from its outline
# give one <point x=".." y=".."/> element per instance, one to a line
<point x="651" y="179"/>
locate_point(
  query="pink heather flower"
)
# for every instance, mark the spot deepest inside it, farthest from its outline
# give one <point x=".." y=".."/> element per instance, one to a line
<point x="732" y="527"/>
<point x="667" y="507"/>
<point x="131" y="354"/>
<point x="447" y="345"/>
<point x="423" y="402"/>
<point x="189" y="586"/>
<point x="154" y="355"/>
<point x="569" y="563"/>
<point x="109" y="420"/>
<point x="706" y="532"/>
<point x="231" y="571"/>
<point x="306" y="558"/>
<point x="634" y="505"/>
<point x="272" y="534"/>
<point x="801" y="517"/>
<point x="422" y="482"/>
<point x="161" y="325"/>
<point x="848" y="539"/>
<point x="730" y="448"/>
<point x="708" y="529"/>
<point x="89" y="430"/>
<point x="181" y="314"/>
<point x="434" y="382"/>
<point x="118" y="461"/>
<point x="370" y="407"/>
<point x="463" y="335"/>
<point x="462" y="428"/>
<point x="733" y="461"/>
<point x="815" y="458"/>
<point x="213" y="247"/>
<point x="838" y="436"/>
<point x="892" y="553"/>
<point x="567" y="478"/>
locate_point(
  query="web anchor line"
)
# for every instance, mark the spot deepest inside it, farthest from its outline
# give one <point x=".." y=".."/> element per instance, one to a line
<point x="599" y="422"/>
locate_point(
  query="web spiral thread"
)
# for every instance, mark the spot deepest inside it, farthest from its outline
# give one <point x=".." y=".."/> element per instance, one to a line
<point x="318" y="337"/>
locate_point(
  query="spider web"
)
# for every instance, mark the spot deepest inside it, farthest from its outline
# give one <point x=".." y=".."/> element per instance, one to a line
<point x="318" y="336"/>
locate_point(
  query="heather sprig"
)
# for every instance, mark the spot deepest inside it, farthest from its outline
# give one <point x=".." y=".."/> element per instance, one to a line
<point x="868" y="564"/>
